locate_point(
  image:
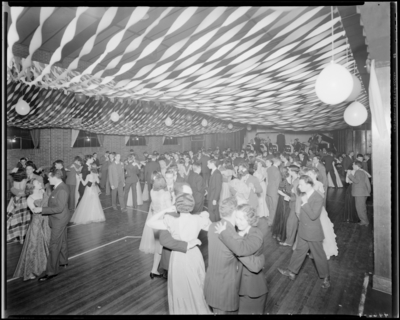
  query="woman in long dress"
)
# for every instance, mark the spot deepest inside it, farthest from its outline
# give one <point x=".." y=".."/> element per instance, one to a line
<point x="329" y="243"/>
<point x="337" y="177"/>
<point x="186" y="273"/>
<point x="89" y="208"/>
<point x="227" y="172"/>
<point x="150" y="243"/>
<point x="283" y="207"/>
<point x="33" y="259"/>
<point x="261" y="174"/>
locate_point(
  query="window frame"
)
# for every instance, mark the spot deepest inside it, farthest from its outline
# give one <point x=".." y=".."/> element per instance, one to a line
<point x="141" y="141"/>
<point x="82" y="136"/>
<point x="171" y="141"/>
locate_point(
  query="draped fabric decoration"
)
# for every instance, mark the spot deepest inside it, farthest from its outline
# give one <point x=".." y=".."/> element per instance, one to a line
<point x="127" y="139"/>
<point x="250" y="65"/>
<point x="35" y="134"/>
<point x="376" y="103"/>
<point x="163" y="139"/>
<point x="100" y="138"/>
<point x="74" y="135"/>
<point x="54" y="108"/>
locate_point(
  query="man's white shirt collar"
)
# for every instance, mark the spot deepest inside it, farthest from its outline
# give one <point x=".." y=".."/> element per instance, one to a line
<point x="309" y="193"/>
<point x="56" y="185"/>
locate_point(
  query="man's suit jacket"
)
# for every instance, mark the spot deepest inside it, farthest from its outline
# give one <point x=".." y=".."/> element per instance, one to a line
<point x="198" y="186"/>
<point x="322" y="174"/>
<point x="116" y="174"/>
<point x="252" y="281"/>
<point x="310" y="228"/>
<point x="369" y="165"/>
<point x="71" y="176"/>
<point x="132" y="173"/>
<point x="253" y="198"/>
<point x="328" y="159"/>
<point x="204" y="160"/>
<point x="364" y="166"/>
<point x="214" y="186"/>
<point x="347" y="162"/>
<point x="85" y="171"/>
<point x="361" y="185"/>
<point x="57" y="209"/>
<point x="221" y="286"/>
<point x="149" y="169"/>
<point x="274" y="179"/>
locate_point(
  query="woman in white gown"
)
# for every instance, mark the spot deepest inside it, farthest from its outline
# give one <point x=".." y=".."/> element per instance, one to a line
<point x="227" y="172"/>
<point x="261" y="174"/>
<point x="329" y="244"/>
<point x="89" y="208"/>
<point x="150" y="243"/>
<point x="337" y="177"/>
<point x="186" y="273"/>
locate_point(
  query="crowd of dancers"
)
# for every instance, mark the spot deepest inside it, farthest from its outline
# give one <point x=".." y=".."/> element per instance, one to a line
<point x="247" y="193"/>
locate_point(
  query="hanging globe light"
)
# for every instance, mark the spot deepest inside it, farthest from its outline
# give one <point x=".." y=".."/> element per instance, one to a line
<point x="356" y="89"/>
<point x="22" y="107"/>
<point x="168" y="122"/>
<point x="334" y="84"/>
<point x="189" y="117"/>
<point x="204" y="123"/>
<point x="355" y="114"/>
<point x="114" y="116"/>
<point x="230" y="126"/>
<point x="80" y="97"/>
<point x="248" y="127"/>
<point x="147" y="108"/>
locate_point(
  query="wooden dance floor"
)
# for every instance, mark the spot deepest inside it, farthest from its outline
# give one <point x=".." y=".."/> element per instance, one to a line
<point x="107" y="274"/>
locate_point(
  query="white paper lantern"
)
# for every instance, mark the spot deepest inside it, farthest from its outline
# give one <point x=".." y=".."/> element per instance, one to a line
<point x="189" y="117"/>
<point x="22" y="107"/>
<point x="249" y="127"/>
<point x="147" y="108"/>
<point x="204" y="123"/>
<point x="114" y="116"/>
<point x="356" y="89"/>
<point x="334" y="84"/>
<point x="168" y="122"/>
<point x="230" y="126"/>
<point x="80" y="97"/>
<point x="355" y="114"/>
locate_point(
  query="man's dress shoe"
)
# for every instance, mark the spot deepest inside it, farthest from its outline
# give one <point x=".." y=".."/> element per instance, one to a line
<point x="154" y="275"/>
<point x="47" y="277"/>
<point x="287" y="273"/>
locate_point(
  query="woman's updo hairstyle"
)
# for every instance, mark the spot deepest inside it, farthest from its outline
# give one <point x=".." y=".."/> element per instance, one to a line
<point x="184" y="203"/>
<point x="249" y="213"/>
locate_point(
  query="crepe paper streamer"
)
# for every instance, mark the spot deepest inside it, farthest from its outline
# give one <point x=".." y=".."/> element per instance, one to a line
<point x="13" y="36"/>
<point x="67" y="37"/>
<point x="36" y="40"/>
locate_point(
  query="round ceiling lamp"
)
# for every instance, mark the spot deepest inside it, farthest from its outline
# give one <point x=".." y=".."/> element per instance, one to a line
<point x="204" y="123"/>
<point x="147" y="108"/>
<point x="22" y="107"/>
<point x="80" y="97"/>
<point x="248" y="127"/>
<point x="230" y="126"/>
<point x="114" y="116"/>
<point x="189" y="117"/>
<point x="168" y="122"/>
<point x="355" y="114"/>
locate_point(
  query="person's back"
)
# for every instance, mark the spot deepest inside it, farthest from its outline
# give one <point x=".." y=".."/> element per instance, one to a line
<point x="160" y="200"/>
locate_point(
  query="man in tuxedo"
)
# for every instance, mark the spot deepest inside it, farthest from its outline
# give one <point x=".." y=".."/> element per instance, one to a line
<point x="252" y="182"/>
<point x="274" y="179"/>
<point x="205" y="172"/>
<point x="71" y="182"/>
<point x="59" y="216"/>
<point x="117" y="181"/>
<point x="367" y="159"/>
<point x="257" y="141"/>
<point x="364" y="165"/>
<point x="360" y="190"/>
<point x="132" y="172"/>
<point x="281" y="142"/>
<point x="151" y="166"/>
<point x="347" y="162"/>
<point x="321" y="174"/>
<point x="310" y="233"/>
<point x="84" y="172"/>
<point x="221" y="286"/>
<point x="198" y="186"/>
<point x="214" y="190"/>
<point x="328" y="159"/>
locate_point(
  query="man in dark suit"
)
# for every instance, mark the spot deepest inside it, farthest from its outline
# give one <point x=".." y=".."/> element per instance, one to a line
<point x="221" y="286"/>
<point x="328" y="159"/>
<point x="347" y="162"/>
<point x="274" y="179"/>
<point x="59" y="216"/>
<point x="316" y="163"/>
<point x="214" y="190"/>
<point x="71" y="182"/>
<point x="84" y="172"/>
<point x="360" y="190"/>
<point x="205" y="172"/>
<point x="281" y="142"/>
<point x="132" y="172"/>
<point x="310" y="233"/>
<point x="116" y="175"/>
<point x="151" y="166"/>
<point x="364" y="165"/>
<point x="198" y="186"/>
<point x="257" y="141"/>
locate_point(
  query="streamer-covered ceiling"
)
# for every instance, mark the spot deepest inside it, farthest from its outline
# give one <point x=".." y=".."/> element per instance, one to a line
<point x="247" y="65"/>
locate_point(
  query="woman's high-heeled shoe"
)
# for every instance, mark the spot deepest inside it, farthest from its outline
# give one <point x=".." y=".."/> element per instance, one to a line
<point x="154" y="275"/>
